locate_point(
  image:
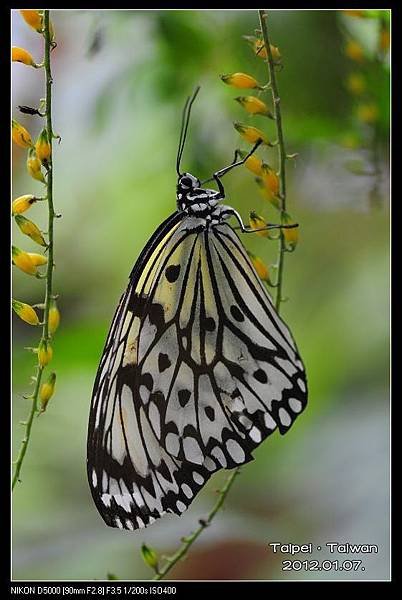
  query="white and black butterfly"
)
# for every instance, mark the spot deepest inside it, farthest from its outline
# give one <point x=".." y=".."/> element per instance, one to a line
<point x="198" y="368"/>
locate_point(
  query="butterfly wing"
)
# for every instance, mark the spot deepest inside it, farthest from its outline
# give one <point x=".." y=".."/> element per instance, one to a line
<point x="197" y="370"/>
<point x="133" y="479"/>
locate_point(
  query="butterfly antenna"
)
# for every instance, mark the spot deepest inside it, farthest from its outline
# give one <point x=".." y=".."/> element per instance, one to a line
<point x="185" y="120"/>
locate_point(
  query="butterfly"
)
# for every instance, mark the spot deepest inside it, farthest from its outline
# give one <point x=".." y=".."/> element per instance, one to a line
<point x="198" y="368"/>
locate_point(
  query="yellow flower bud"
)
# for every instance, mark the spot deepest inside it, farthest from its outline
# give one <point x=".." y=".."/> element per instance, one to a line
<point x="354" y="51"/>
<point x="23" y="56"/>
<point x="251" y="134"/>
<point x="34" y="166"/>
<point x="45" y="353"/>
<point x="260" y="267"/>
<point x="254" y="164"/>
<point x="259" y="48"/>
<point x="150" y="557"/>
<point x="42" y="147"/>
<point x="254" y="106"/>
<point x="270" y="180"/>
<point x="257" y="222"/>
<point x="385" y="39"/>
<point x="54" y="316"/>
<point x="22" y="204"/>
<point x="291" y="235"/>
<point x="367" y="113"/>
<point x="267" y="193"/>
<point x="33" y="18"/>
<point x="37" y="259"/>
<point x="354" y="13"/>
<point x="47" y="391"/>
<point x="350" y="140"/>
<point x="356" y="84"/>
<point x="25" y="312"/>
<point x="20" y="135"/>
<point x="30" y="229"/>
<point x="241" y="80"/>
<point x="23" y="261"/>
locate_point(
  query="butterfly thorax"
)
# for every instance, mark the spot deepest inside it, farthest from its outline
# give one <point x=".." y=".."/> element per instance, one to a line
<point x="195" y="200"/>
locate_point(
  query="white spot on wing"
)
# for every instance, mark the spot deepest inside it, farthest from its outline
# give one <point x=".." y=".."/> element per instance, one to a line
<point x="198" y="478"/>
<point x="192" y="450"/>
<point x="180" y="506"/>
<point x="172" y="444"/>
<point x="301" y="384"/>
<point x="284" y="417"/>
<point x="295" y="405"/>
<point x="269" y="421"/>
<point x="187" y="490"/>
<point x="235" y="451"/>
<point x="255" y="434"/>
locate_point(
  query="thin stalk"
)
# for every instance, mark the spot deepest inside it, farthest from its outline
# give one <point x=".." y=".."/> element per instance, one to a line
<point x="189" y="540"/>
<point x="49" y="271"/>
<point x="276" y="102"/>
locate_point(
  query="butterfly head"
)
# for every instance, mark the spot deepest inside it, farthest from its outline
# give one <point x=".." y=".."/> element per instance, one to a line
<point x="187" y="183"/>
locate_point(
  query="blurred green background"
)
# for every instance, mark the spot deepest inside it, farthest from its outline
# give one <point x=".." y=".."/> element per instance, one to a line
<point x="120" y="81"/>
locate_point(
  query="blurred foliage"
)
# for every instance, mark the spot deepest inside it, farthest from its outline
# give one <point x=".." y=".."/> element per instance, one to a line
<point x="120" y="81"/>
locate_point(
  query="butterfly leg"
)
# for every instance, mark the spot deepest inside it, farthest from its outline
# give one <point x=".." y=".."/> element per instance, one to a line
<point x="228" y="211"/>
<point x="234" y="163"/>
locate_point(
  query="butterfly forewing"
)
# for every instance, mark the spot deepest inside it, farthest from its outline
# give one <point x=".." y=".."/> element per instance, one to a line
<point x="197" y="370"/>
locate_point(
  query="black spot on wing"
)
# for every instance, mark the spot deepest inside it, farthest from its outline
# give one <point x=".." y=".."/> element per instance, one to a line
<point x="260" y="375"/>
<point x="209" y="324"/>
<point x="163" y="362"/>
<point x="236" y="313"/>
<point x="184" y="396"/>
<point x="172" y="273"/>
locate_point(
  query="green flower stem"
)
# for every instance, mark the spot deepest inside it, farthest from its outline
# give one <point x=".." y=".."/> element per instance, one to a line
<point x="189" y="540"/>
<point x="276" y="101"/>
<point x="49" y="271"/>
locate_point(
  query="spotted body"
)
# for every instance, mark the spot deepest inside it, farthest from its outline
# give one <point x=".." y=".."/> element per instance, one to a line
<point x="198" y="368"/>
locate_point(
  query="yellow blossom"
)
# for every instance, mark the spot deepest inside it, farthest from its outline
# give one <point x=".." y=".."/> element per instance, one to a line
<point x="356" y="84"/>
<point x="34" y="166"/>
<point x="241" y="80"/>
<point x="30" y="229"/>
<point x="54" y="316"/>
<point x="23" y="56"/>
<point x="47" y="391"/>
<point x="354" y="51"/>
<point x="257" y="222"/>
<point x="260" y="50"/>
<point x="267" y="193"/>
<point x="350" y="140"/>
<point x="23" y="261"/>
<point x="25" y="312"/>
<point x="259" y="266"/>
<point x="22" y="204"/>
<point x="254" y="164"/>
<point x="251" y="134"/>
<point x="385" y="39"/>
<point x="367" y="113"/>
<point x="354" y="13"/>
<point x="37" y="259"/>
<point x="33" y="18"/>
<point x="291" y="235"/>
<point x="42" y="147"/>
<point x="45" y="353"/>
<point x="270" y="180"/>
<point x="254" y="106"/>
<point x="20" y="135"/>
